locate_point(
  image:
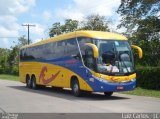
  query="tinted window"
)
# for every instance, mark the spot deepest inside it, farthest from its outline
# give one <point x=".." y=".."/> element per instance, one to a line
<point x="82" y="42"/>
<point x="60" y="49"/>
<point x="72" y="47"/>
<point x="87" y="53"/>
<point x="50" y="50"/>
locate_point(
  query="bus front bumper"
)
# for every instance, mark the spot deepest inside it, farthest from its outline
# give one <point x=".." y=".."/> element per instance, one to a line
<point x="104" y="86"/>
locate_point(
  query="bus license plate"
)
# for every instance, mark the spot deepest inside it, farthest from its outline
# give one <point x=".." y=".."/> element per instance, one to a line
<point x="120" y="87"/>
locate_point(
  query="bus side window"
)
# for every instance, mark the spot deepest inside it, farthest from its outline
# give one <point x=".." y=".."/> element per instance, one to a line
<point x="48" y="51"/>
<point x="72" y="49"/>
<point x="22" y="55"/>
<point x="87" y="53"/>
<point x="60" y="49"/>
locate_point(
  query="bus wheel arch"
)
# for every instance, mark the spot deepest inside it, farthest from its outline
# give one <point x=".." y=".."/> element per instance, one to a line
<point x="33" y="81"/>
<point x="28" y="81"/>
<point x="74" y="84"/>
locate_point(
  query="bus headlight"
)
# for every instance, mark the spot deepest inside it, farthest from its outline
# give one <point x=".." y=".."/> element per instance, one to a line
<point x="100" y="79"/>
<point x="133" y="79"/>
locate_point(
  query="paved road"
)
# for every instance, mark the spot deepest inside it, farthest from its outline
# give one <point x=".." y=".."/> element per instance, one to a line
<point x="15" y="97"/>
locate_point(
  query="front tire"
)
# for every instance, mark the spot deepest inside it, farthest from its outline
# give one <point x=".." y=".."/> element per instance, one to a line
<point x="76" y="88"/>
<point x="108" y="94"/>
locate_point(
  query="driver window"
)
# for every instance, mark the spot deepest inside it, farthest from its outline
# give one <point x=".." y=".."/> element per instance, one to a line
<point x="88" y="58"/>
<point x="106" y="53"/>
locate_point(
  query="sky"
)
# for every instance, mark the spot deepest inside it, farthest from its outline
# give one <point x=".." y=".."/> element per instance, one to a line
<point x="43" y="13"/>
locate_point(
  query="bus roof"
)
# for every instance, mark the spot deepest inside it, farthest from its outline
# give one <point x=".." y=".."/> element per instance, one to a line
<point x="90" y="34"/>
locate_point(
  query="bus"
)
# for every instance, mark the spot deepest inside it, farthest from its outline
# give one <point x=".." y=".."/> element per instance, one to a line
<point x="92" y="61"/>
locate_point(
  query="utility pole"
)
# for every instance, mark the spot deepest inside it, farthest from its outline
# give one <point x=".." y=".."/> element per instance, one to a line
<point x="28" y="26"/>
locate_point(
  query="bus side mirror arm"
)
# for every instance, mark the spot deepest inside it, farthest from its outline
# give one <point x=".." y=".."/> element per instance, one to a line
<point x="140" y="52"/>
<point x="95" y="49"/>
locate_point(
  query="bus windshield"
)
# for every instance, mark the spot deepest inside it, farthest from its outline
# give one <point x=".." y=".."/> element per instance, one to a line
<point x="115" y="57"/>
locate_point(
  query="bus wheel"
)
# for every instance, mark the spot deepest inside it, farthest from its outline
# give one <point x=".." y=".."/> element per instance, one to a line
<point x="108" y="93"/>
<point x="75" y="88"/>
<point x="33" y="82"/>
<point x="28" y="82"/>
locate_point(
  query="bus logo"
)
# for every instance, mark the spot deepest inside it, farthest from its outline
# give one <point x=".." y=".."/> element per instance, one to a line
<point x="42" y="76"/>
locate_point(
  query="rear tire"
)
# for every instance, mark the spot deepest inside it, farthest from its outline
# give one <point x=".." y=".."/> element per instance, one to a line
<point x="76" y="88"/>
<point x="33" y="83"/>
<point x="28" y="82"/>
<point x="108" y="94"/>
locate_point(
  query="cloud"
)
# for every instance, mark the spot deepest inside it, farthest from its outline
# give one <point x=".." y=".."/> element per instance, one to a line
<point x="5" y="42"/>
<point x="79" y="9"/>
<point x="15" y="7"/>
<point x="47" y="15"/>
<point x="8" y="26"/>
<point x="9" y="12"/>
<point x="38" y="29"/>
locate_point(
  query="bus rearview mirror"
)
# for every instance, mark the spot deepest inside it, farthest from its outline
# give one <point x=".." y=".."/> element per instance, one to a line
<point x="94" y="48"/>
<point x="140" y="52"/>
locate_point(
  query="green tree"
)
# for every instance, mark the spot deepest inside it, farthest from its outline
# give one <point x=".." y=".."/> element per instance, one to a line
<point x="15" y="50"/>
<point x="147" y="36"/>
<point x="22" y="41"/>
<point x="133" y="11"/>
<point x="95" y="22"/>
<point x="69" y="26"/>
<point x="55" y="30"/>
<point x="92" y="22"/>
<point x="140" y="18"/>
<point x="4" y="53"/>
<point x="13" y="58"/>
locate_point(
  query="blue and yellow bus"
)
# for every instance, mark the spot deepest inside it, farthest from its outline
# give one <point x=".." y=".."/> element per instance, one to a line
<point x="91" y="61"/>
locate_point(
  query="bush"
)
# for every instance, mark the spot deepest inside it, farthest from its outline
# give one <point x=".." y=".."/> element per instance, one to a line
<point x="4" y="70"/>
<point x="15" y="70"/>
<point x="1" y="70"/>
<point x="148" y="77"/>
<point x="8" y="70"/>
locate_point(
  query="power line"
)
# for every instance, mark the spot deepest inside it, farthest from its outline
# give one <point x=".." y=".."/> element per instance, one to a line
<point x="28" y="26"/>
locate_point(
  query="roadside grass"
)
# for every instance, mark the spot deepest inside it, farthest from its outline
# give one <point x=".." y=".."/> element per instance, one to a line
<point x="143" y="92"/>
<point x="9" y="77"/>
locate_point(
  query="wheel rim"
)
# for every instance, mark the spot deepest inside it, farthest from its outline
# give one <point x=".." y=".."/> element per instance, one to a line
<point x="75" y="88"/>
<point x="28" y="83"/>
<point x="33" y="84"/>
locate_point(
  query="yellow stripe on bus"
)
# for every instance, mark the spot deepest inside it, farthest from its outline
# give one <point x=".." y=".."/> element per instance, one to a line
<point x="62" y="79"/>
